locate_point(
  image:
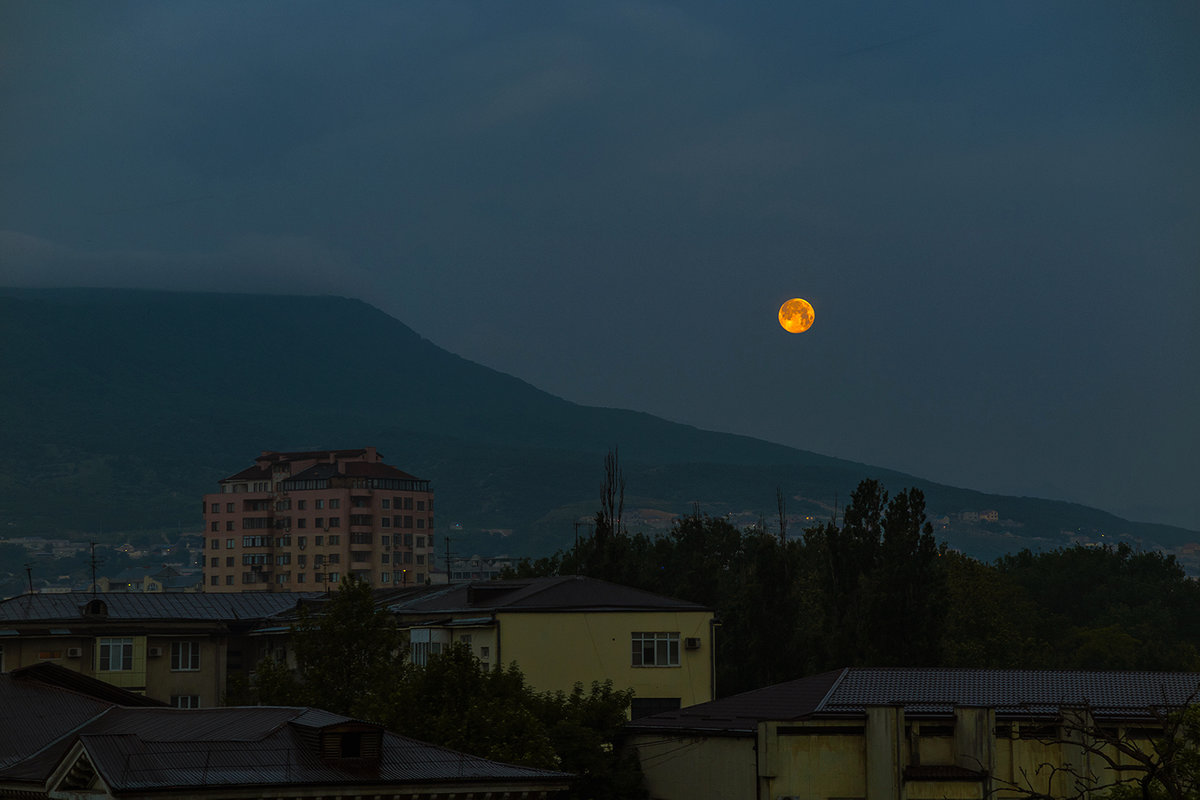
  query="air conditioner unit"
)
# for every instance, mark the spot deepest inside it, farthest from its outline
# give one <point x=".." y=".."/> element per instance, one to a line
<point x="692" y="643"/>
<point x="74" y="652"/>
<point x="154" y="652"/>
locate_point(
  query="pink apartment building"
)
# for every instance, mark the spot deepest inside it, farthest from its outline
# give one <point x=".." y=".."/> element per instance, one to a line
<point x="302" y="521"/>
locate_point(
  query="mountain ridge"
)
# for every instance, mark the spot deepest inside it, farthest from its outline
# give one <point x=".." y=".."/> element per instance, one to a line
<point x="126" y="406"/>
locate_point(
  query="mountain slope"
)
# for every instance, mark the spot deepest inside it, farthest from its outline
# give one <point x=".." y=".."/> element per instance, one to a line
<point x="122" y="408"/>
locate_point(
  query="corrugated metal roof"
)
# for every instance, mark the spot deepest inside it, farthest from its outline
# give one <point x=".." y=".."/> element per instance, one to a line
<point x="1011" y="691"/>
<point x="177" y="606"/>
<point x="168" y="749"/>
<point x="936" y="692"/>
<point x="561" y="593"/>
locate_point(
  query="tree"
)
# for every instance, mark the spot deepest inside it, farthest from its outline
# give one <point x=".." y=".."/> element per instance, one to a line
<point x="348" y="660"/>
<point x="346" y="653"/>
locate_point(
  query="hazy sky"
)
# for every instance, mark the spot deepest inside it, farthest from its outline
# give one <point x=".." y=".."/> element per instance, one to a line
<point x="994" y="208"/>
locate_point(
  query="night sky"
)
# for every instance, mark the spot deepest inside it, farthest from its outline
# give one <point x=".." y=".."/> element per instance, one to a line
<point x="994" y="208"/>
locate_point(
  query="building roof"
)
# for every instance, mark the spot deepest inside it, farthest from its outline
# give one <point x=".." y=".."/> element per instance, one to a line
<point x="167" y="749"/>
<point x="553" y="594"/>
<point x="936" y="692"/>
<point x="178" y="606"/>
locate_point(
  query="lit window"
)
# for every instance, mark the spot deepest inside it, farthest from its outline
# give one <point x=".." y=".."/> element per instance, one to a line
<point x="185" y="656"/>
<point x="115" y="655"/>
<point x="656" y="649"/>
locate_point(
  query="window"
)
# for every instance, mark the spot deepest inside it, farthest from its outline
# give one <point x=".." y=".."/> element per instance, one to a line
<point x="301" y="523"/>
<point x="229" y="507"/>
<point x="385" y="503"/>
<point x="335" y="522"/>
<point x="335" y="558"/>
<point x="385" y="558"/>
<point x="420" y="522"/>
<point x="229" y="580"/>
<point x="214" y="527"/>
<point x="215" y="544"/>
<point x="656" y="649"/>
<point x="420" y="558"/>
<point x="319" y="540"/>
<point x="333" y="577"/>
<point x="319" y="504"/>
<point x="385" y="540"/>
<point x="300" y="577"/>
<point x="335" y="503"/>
<point x="215" y="561"/>
<point x="385" y="577"/>
<point x="319" y="522"/>
<point x="214" y="580"/>
<point x="229" y="544"/>
<point x="229" y="525"/>
<point x="115" y="655"/>
<point x="385" y="522"/>
<point x="420" y="541"/>
<point x="301" y="505"/>
<point x="420" y="505"/>
<point x="185" y="700"/>
<point x="185" y="656"/>
<point x="216" y="508"/>
<point x="334" y="539"/>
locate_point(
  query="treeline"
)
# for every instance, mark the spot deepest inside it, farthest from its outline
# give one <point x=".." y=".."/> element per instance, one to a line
<point x="876" y="589"/>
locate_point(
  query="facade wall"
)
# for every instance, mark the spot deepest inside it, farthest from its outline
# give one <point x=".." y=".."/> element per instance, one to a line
<point x="868" y="759"/>
<point x="555" y="650"/>
<point x="264" y="533"/>
<point x="157" y="665"/>
<point x="699" y="767"/>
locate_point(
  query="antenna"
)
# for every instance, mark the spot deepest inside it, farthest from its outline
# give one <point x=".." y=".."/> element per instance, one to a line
<point x="29" y="575"/>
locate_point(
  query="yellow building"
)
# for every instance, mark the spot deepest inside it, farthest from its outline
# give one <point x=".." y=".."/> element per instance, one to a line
<point x="912" y="734"/>
<point x="569" y="629"/>
<point x="179" y="648"/>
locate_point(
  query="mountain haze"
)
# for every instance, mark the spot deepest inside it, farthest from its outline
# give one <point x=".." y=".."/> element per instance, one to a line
<point x="122" y="407"/>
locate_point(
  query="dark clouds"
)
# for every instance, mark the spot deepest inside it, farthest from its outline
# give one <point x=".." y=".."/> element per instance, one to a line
<point x="994" y="209"/>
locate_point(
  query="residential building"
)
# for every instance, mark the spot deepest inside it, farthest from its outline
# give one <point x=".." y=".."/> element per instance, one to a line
<point x="302" y="521"/>
<point x="66" y="735"/>
<point x="568" y="629"/>
<point x="177" y="647"/>
<point x="912" y="734"/>
<point x="480" y="568"/>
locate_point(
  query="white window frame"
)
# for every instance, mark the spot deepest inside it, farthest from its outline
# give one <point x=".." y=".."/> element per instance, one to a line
<point x="123" y="647"/>
<point x="655" y="649"/>
<point x="185" y="656"/>
<point x="185" y="700"/>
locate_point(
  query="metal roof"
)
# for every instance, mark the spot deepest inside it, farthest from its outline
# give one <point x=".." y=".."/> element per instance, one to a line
<point x="169" y="749"/>
<point x="174" y="606"/>
<point x="936" y="692"/>
<point x="560" y="593"/>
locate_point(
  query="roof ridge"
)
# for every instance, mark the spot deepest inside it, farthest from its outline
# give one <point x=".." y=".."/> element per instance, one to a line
<point x="820" y="706"/>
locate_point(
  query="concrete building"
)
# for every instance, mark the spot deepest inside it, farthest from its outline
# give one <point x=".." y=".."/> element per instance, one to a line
<point x="567" y="629"/>
<point x="302" y="521"/>
<point x="180" y="648"/>
<point x="913" y="734"/>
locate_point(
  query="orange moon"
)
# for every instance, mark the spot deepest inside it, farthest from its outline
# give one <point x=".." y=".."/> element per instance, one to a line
<point x="796" y="315"/>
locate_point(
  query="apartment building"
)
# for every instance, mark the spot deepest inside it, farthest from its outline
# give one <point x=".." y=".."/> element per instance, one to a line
<point x="303" y="521"/>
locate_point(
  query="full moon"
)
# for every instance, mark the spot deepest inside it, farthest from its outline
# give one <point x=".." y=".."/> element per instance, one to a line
<point x="796" y="315"/>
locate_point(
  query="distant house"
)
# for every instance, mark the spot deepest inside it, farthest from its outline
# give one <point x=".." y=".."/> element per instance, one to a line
<point x="893" y="734"/>
<point x="177" y="647"/>
<point x="69" y="736"/>
<point x="568" y="629"/>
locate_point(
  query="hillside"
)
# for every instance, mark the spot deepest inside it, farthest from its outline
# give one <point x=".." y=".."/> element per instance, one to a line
<point x="121" y="408"/>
